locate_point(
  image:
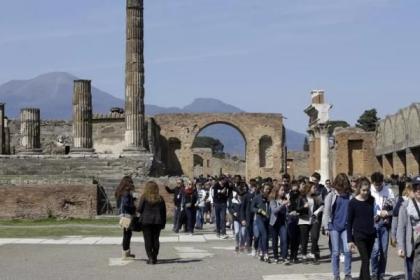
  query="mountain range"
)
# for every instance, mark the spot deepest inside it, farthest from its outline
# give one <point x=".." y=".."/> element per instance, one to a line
<point x="52" y="93"/>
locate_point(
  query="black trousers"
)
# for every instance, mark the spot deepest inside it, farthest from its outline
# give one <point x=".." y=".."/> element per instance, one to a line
<point x="293" y="235"/>
<point x="365" y="247"/>
<point x="314" y="231"/>
<point x="126" y="239"/>
<point x="151" y="235"/>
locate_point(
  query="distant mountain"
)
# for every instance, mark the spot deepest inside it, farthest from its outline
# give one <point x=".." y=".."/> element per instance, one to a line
<point x="52" y="93"/>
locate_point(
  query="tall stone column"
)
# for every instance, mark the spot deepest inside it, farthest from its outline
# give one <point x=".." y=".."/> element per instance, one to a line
<point x="82" y="117"/>
<point x="2" y="143"/>
<point x="324" y="153"/>
<point x="134" y="79"/>
<point x="30" y="131"/>
<point x="6" y="137"/>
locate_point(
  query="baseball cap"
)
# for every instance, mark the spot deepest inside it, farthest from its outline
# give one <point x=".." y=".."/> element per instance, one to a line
<point x="416" y="180"/>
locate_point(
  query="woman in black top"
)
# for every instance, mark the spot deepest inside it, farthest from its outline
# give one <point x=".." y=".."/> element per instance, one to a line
<point x="360" y="225"/>
<point x="152" y="211"/>
<point x="125" y="201"/>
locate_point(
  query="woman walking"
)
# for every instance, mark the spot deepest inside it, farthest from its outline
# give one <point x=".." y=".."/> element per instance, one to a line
<point x="125" y="200"/>
<point x="152" y="211"/>
<point x="309" y="206"/>
<point x="361" y="230"/>
<point x="408" y="231"/>
<point x="261" y="208"/>
<point x="292" y="223"/>
<point x="278" y="224"/>
<point x="335" y="221"/>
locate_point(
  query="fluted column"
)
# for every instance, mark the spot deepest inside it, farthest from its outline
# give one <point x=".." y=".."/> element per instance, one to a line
<point x="30" y="131"/>
<point x="82" y="117"/>
<point x="134" y="79"/>
<point x="6" y="131"/>
<point x="2" y="143"/>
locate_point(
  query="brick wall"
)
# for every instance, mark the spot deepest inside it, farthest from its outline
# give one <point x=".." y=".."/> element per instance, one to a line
<point x="43" y="201"/>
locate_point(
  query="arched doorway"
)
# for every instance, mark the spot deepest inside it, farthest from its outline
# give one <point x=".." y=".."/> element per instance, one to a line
<point x="219" y="148"/>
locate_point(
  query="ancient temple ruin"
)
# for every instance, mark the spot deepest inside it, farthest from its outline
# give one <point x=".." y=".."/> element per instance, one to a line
<point x="71" y="168"/>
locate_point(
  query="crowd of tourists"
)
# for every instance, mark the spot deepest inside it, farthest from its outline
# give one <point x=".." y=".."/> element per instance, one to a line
<point x="356" y="214"/>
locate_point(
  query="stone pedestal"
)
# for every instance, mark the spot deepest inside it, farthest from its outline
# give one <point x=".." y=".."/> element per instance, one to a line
<point x="2" y="140"/>
<point x="30" y="131"/>
<point x="82" y="117"/>
<point x="134" y="80"/>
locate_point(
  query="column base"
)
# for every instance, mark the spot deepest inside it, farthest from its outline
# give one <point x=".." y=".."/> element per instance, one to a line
<point x="82" y="151"/>
<point x="30" y="152"/>
<point x="133" y="151"/>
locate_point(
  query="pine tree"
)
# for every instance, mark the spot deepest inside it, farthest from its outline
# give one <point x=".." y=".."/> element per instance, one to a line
<point x="368" y="120"/>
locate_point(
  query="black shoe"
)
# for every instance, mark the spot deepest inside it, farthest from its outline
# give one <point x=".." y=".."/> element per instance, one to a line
<point x="149" y="261"/>
<point x="154" y="261"/>
<point x="316" y="262"/>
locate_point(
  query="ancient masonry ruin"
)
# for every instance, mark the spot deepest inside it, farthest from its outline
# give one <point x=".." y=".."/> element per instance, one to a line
<point x="71" y="169"/>
<point x="394" y="148"/>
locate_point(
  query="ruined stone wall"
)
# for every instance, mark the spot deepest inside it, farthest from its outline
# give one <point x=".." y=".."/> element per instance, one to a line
<point x="108" y="135"/>
<point x="398" y="142"/>
<point x="55" y="136"/>
<point x="298" y="163"/>
<point x="44" y="201"/>
<point x="354" y="152"/>
<point x="179" y="131"/>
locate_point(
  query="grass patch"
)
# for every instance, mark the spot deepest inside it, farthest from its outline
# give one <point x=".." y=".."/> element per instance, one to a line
<point x="51" y="232"/>
<point x="53" y="221"/>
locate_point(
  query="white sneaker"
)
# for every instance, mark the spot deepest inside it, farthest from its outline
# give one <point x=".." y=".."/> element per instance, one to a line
<point x="310" y="256"/>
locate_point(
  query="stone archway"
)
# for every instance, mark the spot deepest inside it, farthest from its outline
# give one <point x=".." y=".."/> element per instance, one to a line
<point x="252" y="127"/>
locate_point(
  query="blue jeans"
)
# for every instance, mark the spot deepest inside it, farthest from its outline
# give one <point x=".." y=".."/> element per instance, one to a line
<point x="408" y="266"/>
<point x="276" y="232"/>
<point x="240" y="232"/>
<point x="177" y="214"/>
<point x="380" y="251"/>
<point x="262" y="227"/>
<point x="200" y="218"/>
<point x="220" y="213"/>
<point x="339" y="241"/>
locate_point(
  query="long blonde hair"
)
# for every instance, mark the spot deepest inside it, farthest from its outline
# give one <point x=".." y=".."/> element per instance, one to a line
<point x="151" y="192"/>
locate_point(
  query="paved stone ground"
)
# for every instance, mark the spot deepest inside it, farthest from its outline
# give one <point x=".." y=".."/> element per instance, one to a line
<point x="181" y="258"/>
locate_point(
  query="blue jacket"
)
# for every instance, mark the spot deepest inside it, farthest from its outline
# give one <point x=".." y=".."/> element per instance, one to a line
<point x="127" y="204"/>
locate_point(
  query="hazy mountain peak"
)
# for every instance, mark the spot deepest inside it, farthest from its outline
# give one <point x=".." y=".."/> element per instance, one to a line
<point x="56" y="76"/>
<point x="210" y="105"/>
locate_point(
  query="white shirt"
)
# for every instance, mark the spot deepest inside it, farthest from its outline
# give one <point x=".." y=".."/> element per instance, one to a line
<point x="381" y="197"/>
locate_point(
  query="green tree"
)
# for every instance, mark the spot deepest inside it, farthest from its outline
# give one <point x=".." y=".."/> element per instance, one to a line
<point x="334" y="124"/>
<point x="368" y="120"/>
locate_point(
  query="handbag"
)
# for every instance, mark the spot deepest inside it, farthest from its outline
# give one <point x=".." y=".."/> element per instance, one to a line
<point x="125" y="222"/>
<point x="136" y="224"/>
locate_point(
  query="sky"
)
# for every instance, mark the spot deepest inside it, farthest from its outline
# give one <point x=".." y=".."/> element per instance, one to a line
<point x="259" y="55"/>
